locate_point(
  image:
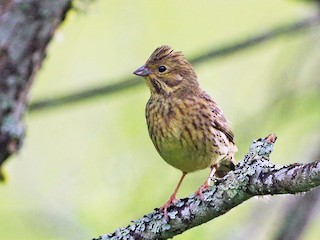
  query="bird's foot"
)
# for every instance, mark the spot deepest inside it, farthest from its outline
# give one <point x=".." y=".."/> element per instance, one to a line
<point x="199" y="192"/>
<point x="215" y="180"/>
<point x="172" y="200"/>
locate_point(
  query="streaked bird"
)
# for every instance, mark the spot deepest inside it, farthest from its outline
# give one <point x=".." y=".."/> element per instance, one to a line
<point x="188" y="129"/>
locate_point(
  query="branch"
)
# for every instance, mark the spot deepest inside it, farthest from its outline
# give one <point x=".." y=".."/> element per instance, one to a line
<point x="259" y="38"/>
<point x="299" y="211"/>
<point x="26" y="27"/>
<point x="298" y="216"/>
<point x="253" y="176"/>
<point x="217" y="52"/>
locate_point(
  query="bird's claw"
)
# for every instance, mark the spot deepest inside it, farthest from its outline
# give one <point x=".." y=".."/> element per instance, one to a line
<point x="215" y="180"/>
<point x="172" y="200"/>
<point x="199" y="192"/>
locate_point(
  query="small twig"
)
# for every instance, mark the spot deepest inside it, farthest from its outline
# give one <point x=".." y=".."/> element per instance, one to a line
<point x="253" y="176"/>
<point x="85" y="94"/>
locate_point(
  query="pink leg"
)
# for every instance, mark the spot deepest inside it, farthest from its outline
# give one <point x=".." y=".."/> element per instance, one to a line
<point x="173" y="198"/>
<point x="207" y="182"/>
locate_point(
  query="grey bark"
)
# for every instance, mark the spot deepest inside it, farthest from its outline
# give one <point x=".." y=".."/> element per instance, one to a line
<point x="254" y="175"/>
<point x="26" y="27"/>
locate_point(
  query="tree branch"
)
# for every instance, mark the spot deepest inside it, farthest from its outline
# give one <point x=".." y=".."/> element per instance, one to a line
<point x="298" y="216"/>
<point x="26" y="28"/>
<point x="299" y="211"/>
<point x="253" y="176"/>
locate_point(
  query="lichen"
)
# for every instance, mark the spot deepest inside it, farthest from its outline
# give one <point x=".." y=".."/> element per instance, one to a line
<point x="172" y="214"/>
<point x="12" y="127"/>
<point x="185" y="214"/>
<point x="180" y="203"/>
<point x="141" y="227"/>
<point x="157" y="226"/>
<point x="215" y="201"/>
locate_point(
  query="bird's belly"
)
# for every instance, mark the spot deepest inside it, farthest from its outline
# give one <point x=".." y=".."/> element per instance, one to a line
<point x="186" y="151"/>
<point x="183" y="157"/>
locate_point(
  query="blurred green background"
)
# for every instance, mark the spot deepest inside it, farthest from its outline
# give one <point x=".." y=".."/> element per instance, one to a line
<point x="90" y="167"/>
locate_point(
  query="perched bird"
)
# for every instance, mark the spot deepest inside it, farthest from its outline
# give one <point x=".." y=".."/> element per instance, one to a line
<point x="186" y="126"/>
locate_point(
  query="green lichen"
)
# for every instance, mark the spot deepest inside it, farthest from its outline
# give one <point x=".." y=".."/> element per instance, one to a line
<point x="217" y="200"/>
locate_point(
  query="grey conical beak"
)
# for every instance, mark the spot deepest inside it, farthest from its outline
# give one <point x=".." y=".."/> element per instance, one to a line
<point x="142" y="71"/>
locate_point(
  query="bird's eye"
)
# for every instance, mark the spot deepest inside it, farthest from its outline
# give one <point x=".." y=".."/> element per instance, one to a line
<point x="162" y="69"/>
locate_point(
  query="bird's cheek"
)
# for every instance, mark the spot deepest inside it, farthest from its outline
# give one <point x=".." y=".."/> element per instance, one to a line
<point x="172" y="82"/>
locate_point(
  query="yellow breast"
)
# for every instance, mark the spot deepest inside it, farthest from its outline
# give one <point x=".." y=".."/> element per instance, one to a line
<point x="179" y="134"/>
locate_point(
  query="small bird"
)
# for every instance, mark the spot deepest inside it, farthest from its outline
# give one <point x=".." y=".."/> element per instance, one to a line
<point x="188" y="129"/>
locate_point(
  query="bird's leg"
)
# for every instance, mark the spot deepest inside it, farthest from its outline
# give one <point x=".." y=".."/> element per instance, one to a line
<point x="173" y="198"/>
<point x="207" y="182"/>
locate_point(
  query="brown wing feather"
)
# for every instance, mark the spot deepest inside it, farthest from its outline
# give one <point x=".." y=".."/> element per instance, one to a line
<point x="219" y="121"/>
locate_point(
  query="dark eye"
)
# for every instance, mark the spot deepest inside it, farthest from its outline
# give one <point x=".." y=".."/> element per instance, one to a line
<point x="162" y="69"/>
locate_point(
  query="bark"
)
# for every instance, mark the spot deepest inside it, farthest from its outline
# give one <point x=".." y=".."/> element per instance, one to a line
<point x="253" y="176"/>
<point x="26" y="27"/>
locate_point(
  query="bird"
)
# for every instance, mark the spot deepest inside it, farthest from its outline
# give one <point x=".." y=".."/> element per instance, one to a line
<point x="187" y="127"/>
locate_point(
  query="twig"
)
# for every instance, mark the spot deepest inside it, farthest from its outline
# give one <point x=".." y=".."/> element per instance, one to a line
<point x="85" y="94"/>
<point x="253" y="176"/>
<point x="217" y="52"/>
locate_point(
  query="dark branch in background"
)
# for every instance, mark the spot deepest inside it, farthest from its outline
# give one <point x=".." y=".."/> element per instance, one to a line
<point x="253" y="176"/>
<point x="85" y="94"/>
<point x="26" y="27"/>
<point x="214" y="53"/>
<point x="259" y="38"/>
<point x="298" y="216"/>
<point x="299" y="211"/>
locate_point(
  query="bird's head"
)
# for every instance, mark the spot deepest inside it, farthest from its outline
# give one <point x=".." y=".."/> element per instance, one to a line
<point x="167" y="72"/>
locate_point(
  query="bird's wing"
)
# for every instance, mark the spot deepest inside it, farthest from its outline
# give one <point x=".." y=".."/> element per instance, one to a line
<point x="219" y="121"/>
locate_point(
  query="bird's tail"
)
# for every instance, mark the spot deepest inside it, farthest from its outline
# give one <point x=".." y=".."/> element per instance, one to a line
<point x="225" y="165"/>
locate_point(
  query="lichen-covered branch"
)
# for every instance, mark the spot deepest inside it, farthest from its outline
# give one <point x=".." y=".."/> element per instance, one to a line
<point x="26" y="27"/>
<point x="254" y="175"/>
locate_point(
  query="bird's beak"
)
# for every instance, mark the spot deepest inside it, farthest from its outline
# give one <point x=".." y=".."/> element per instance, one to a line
<point x="142" y="71"/>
